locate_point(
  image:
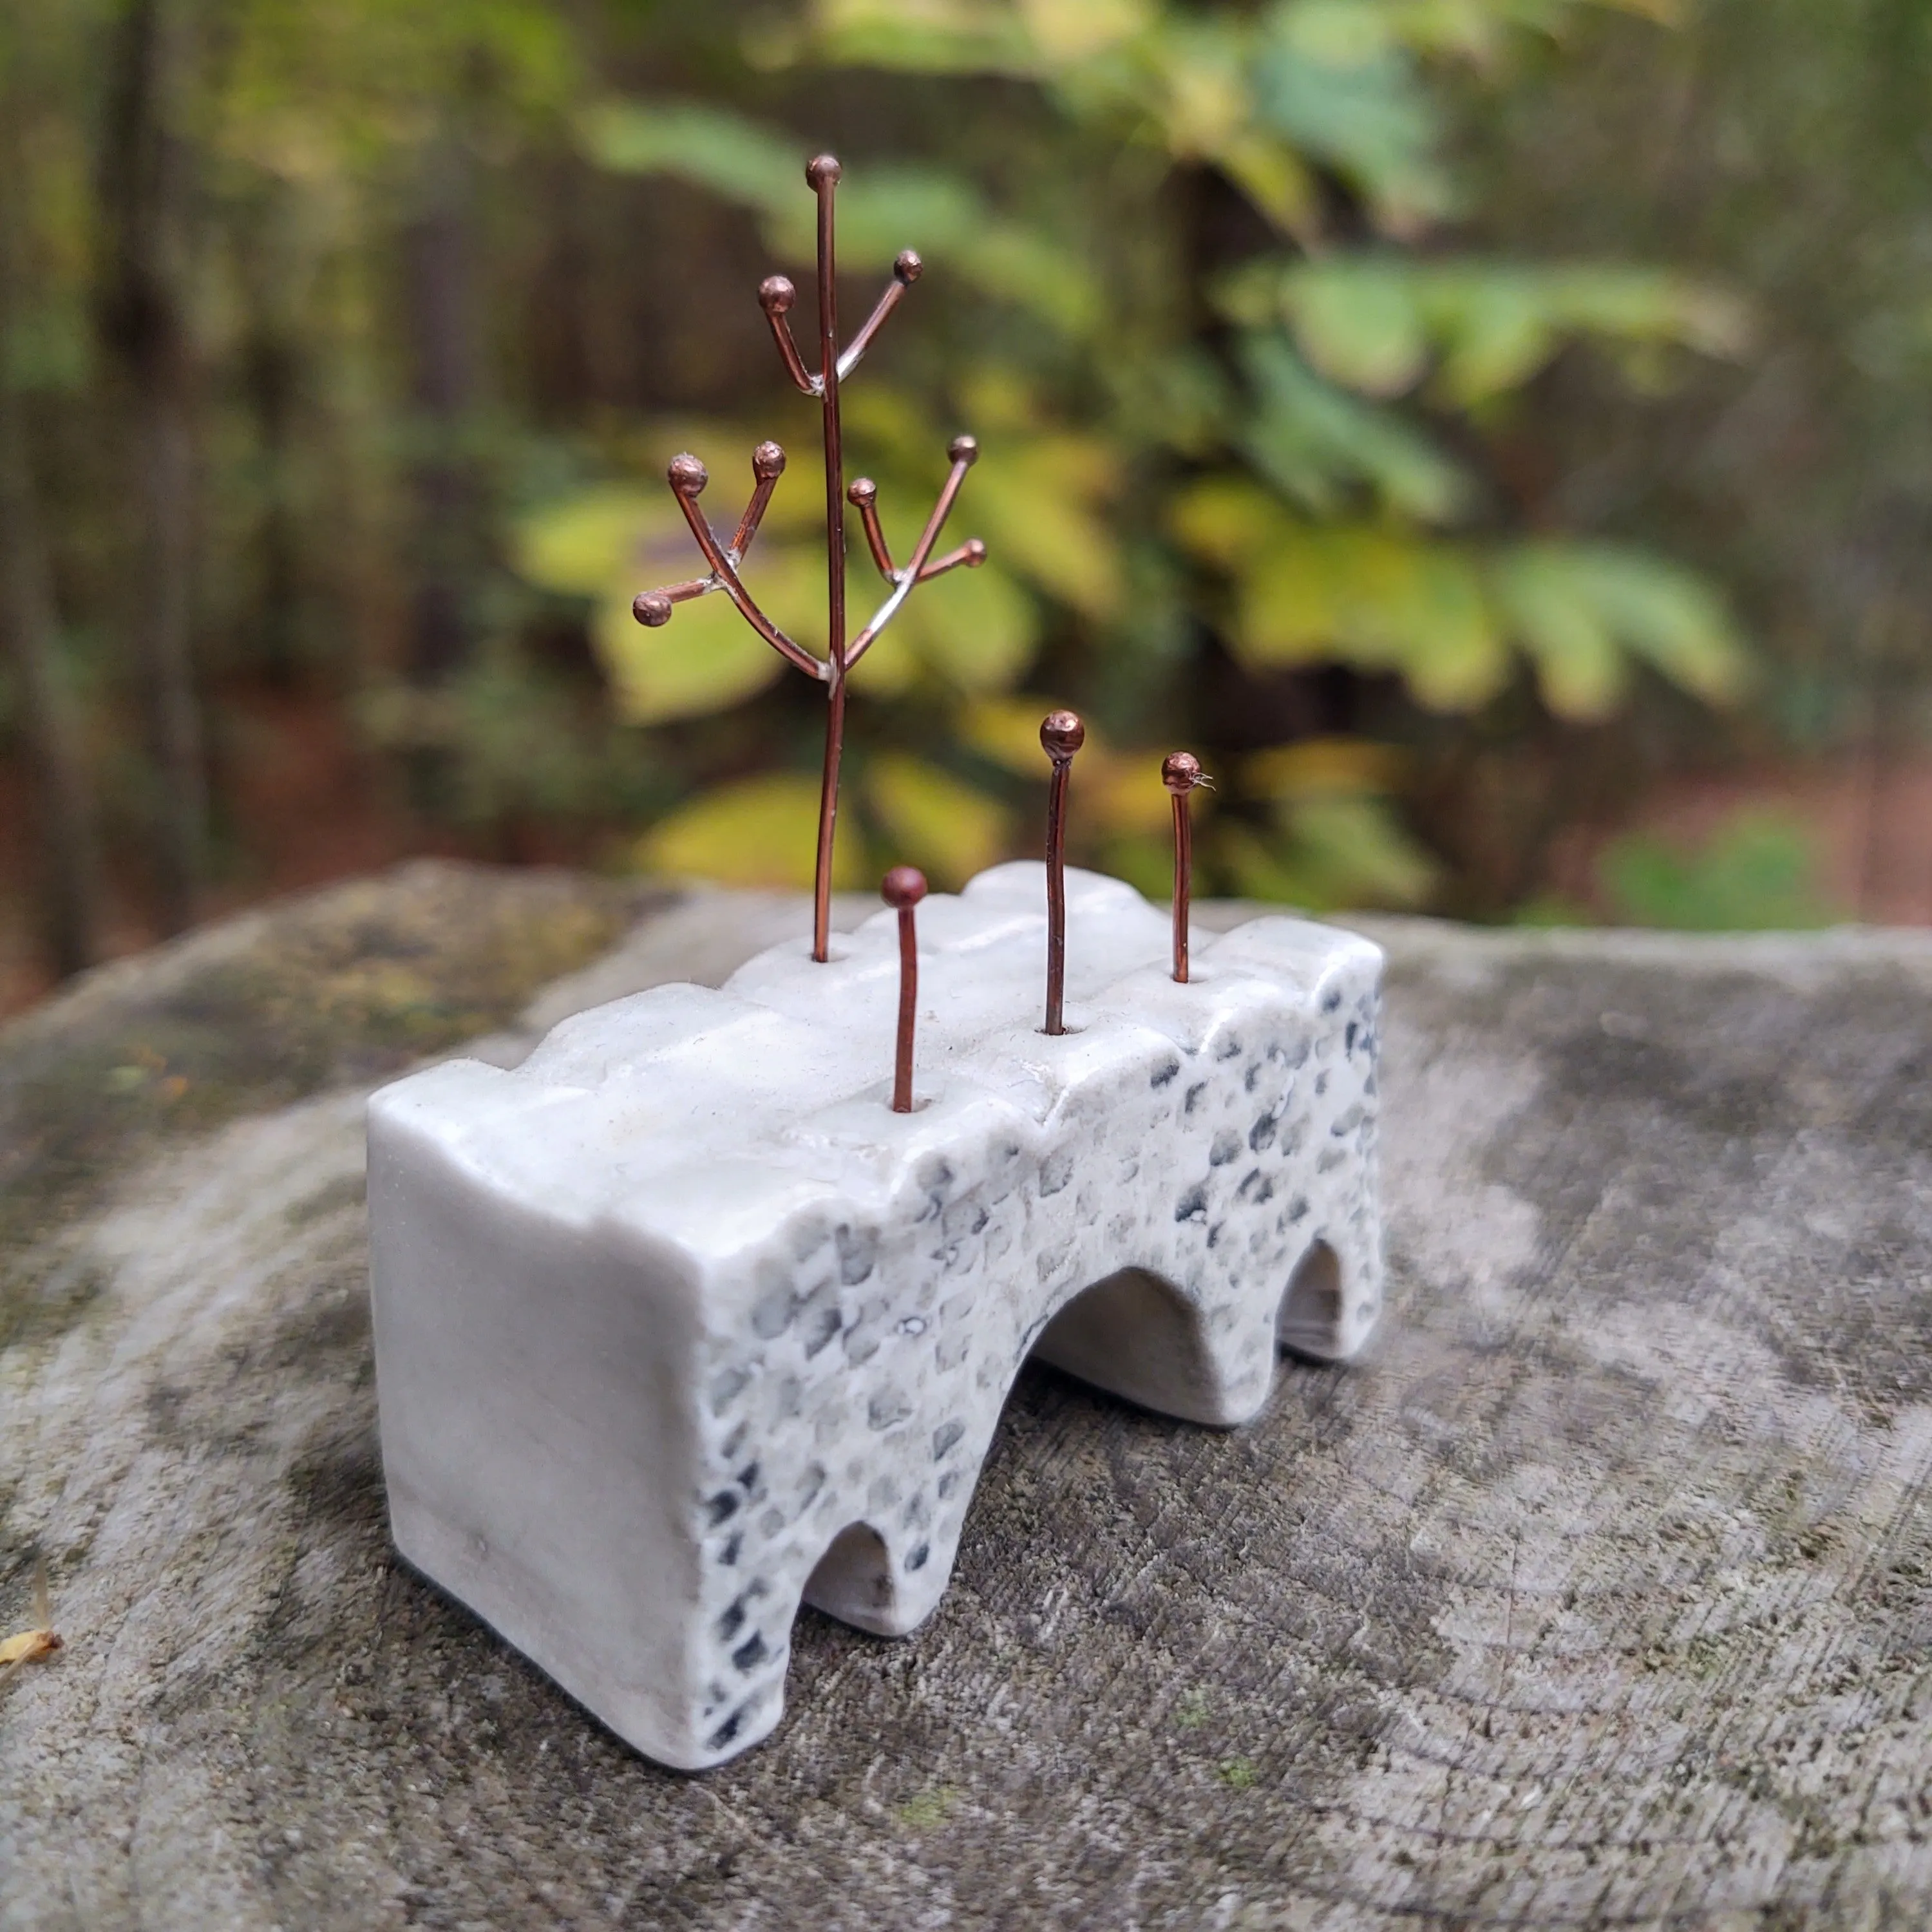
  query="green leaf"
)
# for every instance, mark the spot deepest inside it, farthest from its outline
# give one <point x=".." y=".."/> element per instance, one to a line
<point x="1580" y="668"/>
<point x="1565" y="597"/>
<point x="1360" y="323"/>
<point x="1377" y="321"/>
<point x="1226" y="518"/>
<point x="940" y="37"/>
<point x="722" y="151"/>
<point x="1315" y="442"/>
<point x="761" y="831"/>
<point x="946" y="827"/>
<point x="1330" y="853"/>
<point x="884" y="209"/>
<point x="1332" y="79"/>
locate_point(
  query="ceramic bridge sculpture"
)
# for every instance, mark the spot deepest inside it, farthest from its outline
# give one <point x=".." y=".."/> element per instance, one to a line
<point x="679" y="1325"/>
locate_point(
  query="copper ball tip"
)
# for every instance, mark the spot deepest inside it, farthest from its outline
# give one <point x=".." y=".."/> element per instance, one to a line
<point x="964" y="449"/>
<point x="822" y="170"/>
<point x="1061" y="734"/>
<point x="862" y="490"/>
<point x="1180" y="772"/>
<point x="651" y="607"/>
<point x="975" y="552"/>
<point x="776" y="294"/>
<point x="903" y="886"/>
<point x="688" y="475"/>
<point x="768" y="460"/>
<point x="907" y="266"/>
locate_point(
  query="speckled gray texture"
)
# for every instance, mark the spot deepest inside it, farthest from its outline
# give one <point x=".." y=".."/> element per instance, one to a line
<point x="678" y="1324"/>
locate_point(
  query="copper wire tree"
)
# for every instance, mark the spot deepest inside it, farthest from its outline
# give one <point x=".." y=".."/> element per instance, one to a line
<point x="689" y="477"/>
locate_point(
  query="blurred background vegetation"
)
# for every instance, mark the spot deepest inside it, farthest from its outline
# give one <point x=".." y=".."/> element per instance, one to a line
<point x="1493" y="433"/>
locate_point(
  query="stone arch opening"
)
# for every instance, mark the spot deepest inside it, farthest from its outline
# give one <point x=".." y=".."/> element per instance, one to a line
<point x="853" y="1581"/>
<point x="1133" y="1336"/>
<point x="1308" y="1321"/>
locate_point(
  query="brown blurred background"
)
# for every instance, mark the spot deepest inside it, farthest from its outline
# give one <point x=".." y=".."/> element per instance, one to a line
<point x="1491" y="434"/>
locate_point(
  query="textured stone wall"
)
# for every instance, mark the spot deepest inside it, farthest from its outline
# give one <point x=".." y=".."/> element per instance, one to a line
<point x="1599" y="1593"/>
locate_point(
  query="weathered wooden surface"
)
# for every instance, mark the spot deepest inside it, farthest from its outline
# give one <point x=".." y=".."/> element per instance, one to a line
<point x="1600" y="1594"/>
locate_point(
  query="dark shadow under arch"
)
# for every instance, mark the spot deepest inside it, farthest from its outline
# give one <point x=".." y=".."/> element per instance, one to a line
<point x="854" y="1581"/>
<point x="1308" y="1321"/>
<point x="1132" y="1335"/>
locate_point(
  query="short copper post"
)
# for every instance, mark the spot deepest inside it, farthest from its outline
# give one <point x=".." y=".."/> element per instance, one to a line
<point x="903" y="888"/>
<point x="1061" y="734"/>
<point x="1181" y="772"/>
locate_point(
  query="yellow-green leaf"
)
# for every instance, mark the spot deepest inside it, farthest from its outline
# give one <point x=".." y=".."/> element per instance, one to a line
<point x="1036" y="501"/>
<point x="707" y="659"/>
<point x="1223" y="519"/>
<point x="761" y="831"/>
<point x="935" y="821"/>
<point x="1380" y="601"/>
<point x="1005" y="731"/>
<point x="1328" y="854"/>
<point x="582" y="545"/>
<point x="1580" y="670"/>
<point x="977" y="628"/>
<point x="1323" y="767"/>
<point x="1572" y="602"/>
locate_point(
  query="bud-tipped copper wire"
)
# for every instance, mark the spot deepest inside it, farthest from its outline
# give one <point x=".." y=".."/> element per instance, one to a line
<point x="1180" y="772"/>
<point x="903" y="888"/>
<point x="1061" y="734"/>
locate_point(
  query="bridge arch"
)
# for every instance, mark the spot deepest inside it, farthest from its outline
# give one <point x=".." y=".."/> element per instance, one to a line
<point x="853" y="1581"/>
<point x="1132" y="1335"/>
<point x="1308" y="1321"/>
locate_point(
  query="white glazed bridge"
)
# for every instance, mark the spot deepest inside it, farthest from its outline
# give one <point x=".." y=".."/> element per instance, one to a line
<point x="678" y="1325"/>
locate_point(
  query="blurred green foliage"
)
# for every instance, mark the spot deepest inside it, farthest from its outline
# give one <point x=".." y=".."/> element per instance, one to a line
<point x="1758" y="870"/>
<point x="1202" y="279"/>
<point x="1260" y="467"/>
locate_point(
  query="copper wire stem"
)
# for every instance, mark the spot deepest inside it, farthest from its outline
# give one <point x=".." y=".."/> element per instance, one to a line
<point x="654" y="608"/>
<point x="715" y="555"/>
<point x="822" y="173"/>
<point x="865" y="494"/>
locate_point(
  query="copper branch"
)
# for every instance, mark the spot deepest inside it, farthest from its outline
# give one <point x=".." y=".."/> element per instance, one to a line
<point x="863" y="495"/>
<point x="965" y="453"/>
<point x="906" y="270"/>
<point x="768" y="462"/>
<point x="972" y="553"/>
<point x="775" y="297"/>
<point x="688" y="479"/>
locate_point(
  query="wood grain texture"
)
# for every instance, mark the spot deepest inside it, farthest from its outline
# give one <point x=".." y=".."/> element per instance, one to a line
<point x="1600" y="1594"/>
